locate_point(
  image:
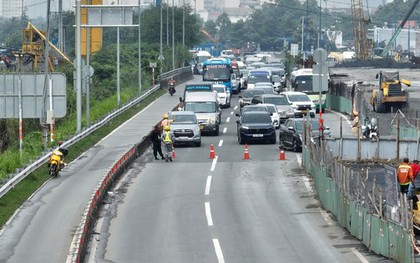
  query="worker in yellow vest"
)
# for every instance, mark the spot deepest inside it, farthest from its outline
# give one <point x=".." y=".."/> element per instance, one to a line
<point x="168" y="140"/>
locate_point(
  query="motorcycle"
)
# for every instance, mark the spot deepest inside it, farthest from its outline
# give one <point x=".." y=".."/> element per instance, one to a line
<point x="171" y="89"/>
<point x="56" y="162"/>
<point x="370" y="129"/>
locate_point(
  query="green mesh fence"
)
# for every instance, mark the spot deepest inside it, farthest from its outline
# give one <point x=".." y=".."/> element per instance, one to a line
<point x="378" y="235"/>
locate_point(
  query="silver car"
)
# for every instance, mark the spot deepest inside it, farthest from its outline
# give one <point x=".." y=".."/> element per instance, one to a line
<point x="185" y="127"/>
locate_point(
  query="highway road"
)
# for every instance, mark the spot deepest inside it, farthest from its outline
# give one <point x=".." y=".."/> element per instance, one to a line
<point x="226" y="209"/>
<point x="195" y="209"/>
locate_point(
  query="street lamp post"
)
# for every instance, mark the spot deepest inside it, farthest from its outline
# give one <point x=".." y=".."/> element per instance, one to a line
<point x="173" y="35"/>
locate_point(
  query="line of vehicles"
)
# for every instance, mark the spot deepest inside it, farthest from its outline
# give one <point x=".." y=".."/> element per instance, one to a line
<point x="266" y="104"/>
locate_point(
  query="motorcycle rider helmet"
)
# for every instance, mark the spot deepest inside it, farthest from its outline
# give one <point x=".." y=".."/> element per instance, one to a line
<point x="166" y="128"/>
<point x="165" y="116"/>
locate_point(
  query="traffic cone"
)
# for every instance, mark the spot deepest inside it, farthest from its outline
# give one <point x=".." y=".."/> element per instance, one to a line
<point x="246" y="152"/>
<point x="282" y="155"/>
<point x="173" y="153"/>
<point x="212" y="153"/>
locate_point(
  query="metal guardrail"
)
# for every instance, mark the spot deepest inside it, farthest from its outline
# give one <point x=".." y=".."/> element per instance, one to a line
<point x="43" y="159"/>
<point x="180" y="74"/>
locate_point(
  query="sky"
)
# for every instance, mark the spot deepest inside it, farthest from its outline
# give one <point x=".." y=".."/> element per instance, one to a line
<point x="36" y="8"/>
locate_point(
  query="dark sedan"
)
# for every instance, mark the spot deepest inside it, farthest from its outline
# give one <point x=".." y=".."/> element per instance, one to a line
<point x="246" y="97"/>
<point x="255" y="126"/>
<point x="291" y="132"/>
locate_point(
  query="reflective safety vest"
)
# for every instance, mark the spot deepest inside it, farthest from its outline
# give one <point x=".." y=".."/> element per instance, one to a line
<point x="167" y="138"/>
<point x="404" y="174"/>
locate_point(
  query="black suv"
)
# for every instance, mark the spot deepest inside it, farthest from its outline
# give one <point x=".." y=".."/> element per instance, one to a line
<point x="255" y="126"/>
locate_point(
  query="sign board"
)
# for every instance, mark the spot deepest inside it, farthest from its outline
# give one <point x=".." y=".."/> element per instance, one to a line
<point x="32" y="85"/>
<point x="110" y="16"/>
<point x="320" y="55"/>
<point x="294" y="49"/>
<point x="152" y="65"/>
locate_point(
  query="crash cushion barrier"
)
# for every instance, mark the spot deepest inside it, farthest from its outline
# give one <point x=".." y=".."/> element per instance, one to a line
<point x="378" y="235"/>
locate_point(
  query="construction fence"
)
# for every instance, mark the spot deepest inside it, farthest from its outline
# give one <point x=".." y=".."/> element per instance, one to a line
<point x="363" y="200"/>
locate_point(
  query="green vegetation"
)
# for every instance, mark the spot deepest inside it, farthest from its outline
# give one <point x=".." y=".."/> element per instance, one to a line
<point x="15" y="197"/>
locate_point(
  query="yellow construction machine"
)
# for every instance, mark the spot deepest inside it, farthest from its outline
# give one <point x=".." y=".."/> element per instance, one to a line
<point x="390" y="92"/>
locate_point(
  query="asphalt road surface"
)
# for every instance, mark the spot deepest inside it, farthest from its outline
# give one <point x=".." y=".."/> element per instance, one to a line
<point x="227" y="209"/>
<point x="192" y="210"/>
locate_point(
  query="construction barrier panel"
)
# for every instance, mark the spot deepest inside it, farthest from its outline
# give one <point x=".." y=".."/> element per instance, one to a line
<point x="382" y="237"/>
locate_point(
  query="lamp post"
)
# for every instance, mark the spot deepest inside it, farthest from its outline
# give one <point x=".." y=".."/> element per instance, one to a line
<point x="173" y="35"/>
<point x="161" y="38"/>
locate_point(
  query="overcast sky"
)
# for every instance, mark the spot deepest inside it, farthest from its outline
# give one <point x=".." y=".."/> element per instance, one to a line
<point x="38" y="8"/>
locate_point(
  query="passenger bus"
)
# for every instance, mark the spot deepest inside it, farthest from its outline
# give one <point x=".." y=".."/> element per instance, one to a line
<point x="302" y="80"/>
<point x="199" y="59"/>
<point x="236" y="70"/>
<point x="258" y="75"/>
<point x="219" y="70"/>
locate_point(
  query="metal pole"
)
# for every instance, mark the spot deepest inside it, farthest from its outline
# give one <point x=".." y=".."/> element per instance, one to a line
<point x="167" y="24"/>
<point x="183" y="23"/>
<point x="319" y="33"/>
<point x="173" y="35"/>
<point x="161" y="38"/>
<point x="87" y="71"/>
<point x="408" y="41"/>
<point x="118" y="68"/>
<point x="301" y="48"/>
<point x="20" y="117"/>
<point x="60" y="25"/>
<point x="78" y="69"/>
<point x="139" y="50"/>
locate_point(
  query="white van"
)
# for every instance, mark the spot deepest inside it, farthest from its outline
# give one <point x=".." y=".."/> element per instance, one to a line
<point x="206" y="108"/>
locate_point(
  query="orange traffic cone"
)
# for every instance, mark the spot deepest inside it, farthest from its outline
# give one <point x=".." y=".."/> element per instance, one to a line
<point x="246" y="152"/>
<point x="282" y="155"/>
<point x="173" y="153"/>
<point x="212" y="153"/>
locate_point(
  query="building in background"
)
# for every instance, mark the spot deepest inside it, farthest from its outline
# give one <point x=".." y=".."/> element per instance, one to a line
<point x="11" y="8"/>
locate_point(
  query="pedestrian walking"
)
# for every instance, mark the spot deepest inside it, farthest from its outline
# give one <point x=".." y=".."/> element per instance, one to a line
<point x="404" y="175"/>
<point x="416" y="168"/>
<point x="167" y="139"/>
<point x="156" y="142"/>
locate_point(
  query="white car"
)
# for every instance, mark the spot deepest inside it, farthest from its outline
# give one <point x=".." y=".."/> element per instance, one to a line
<point x="300" y="102"/>
<point x="274" y="113"/>
<point x="223" y="95"/>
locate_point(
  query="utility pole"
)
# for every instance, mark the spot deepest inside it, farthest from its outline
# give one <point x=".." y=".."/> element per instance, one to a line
<point x="161" y="38"/>
<point x="139" y="49"/>
<point x="78" y="68"/>
<point x="173" y="35"/>
<point x="183" y="23"/>
<point x="60" y="26"/>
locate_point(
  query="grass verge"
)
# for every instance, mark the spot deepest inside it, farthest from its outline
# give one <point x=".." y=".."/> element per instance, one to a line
<point x="10" y="202"/>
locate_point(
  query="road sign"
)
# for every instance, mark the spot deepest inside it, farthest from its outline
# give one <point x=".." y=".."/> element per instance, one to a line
<point x="32" y="85"/>
<point x="320" y="55"/>
<point x="110" y="16"/>
<point x="294" y="49"/>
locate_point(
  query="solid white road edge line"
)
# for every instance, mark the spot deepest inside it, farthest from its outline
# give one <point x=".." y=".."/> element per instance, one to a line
<point x="228" y="119"/>
<point x="213" y="164"/>
<point x="208" y="185"/>
<point x="359" y="256"/>
<point x="218" y="250"/>
<point x="236" y="107"/>
<point x="224" y="130"/>
<point x="220" y="143"/>
<point x="208" y="213"/>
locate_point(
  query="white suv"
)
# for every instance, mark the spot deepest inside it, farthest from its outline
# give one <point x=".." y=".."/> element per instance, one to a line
<point x="300" y="102"/>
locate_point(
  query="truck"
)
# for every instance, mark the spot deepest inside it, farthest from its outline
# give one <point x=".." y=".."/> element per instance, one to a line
<point x="390" y="92"/>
